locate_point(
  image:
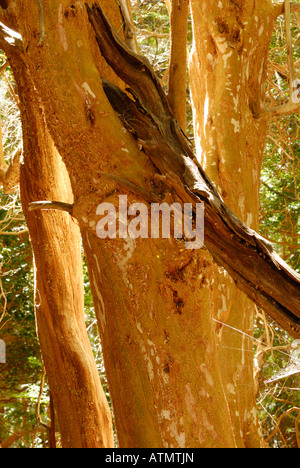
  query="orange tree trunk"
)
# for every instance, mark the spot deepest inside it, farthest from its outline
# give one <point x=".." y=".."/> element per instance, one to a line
<point x="83" y="413"/>
<point x="160" y="342"/>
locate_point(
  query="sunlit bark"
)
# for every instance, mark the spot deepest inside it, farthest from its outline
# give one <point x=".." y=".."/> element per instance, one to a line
<point x="83" y="413"/>
<point x="160" y="342"/>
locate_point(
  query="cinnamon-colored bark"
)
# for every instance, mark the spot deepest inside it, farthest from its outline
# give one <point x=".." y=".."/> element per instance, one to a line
<point x="159" y="339"/>
<point x="83" y="413"/>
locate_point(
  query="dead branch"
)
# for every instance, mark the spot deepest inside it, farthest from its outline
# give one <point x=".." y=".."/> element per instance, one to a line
<point x="51" y="205"/>
<point x="280" y="9"/>
<point x="249" y="259"/>
<point x="12" y="176"/>
<point x="178" y="60"/>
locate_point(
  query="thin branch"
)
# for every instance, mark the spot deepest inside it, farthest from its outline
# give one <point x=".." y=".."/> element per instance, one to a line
<point x="145" y="32"/>
<point x="288" y="197"/>
<point x="286" y="244"/>
<point x="3" y="165"/>
<point x="129" y="32"/>
<point x="42" y="23"/>
<point x="290" y="107"/>
<point x="169" y="7"/>
<point x="12" y="233"/>
<point x="178" y="60"/>
<point x="291" y="410"/>
<point x="289" y="47"/>
<point x="2" y="295"/>
<point x="38" y="404"/>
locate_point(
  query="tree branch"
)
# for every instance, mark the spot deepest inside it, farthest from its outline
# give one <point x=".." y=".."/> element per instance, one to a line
<point x="283" y="195"/>
<point x="42" y="23"/>
<point x="178" y="60"/>
<point x="248" y="258"/>
<point x="280" y="9"/>
<point x="286" y="109"/>
<point x="129" y="32"/>
<point x="289" y="47"/>
<point x="51" y="205"/>
<point x="169" y="7"/>
<point x="290" y="107"/>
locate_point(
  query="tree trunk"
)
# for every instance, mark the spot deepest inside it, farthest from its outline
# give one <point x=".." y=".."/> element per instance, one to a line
<point x="83" y="413"/>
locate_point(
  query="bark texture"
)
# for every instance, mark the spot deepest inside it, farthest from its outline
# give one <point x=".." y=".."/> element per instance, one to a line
<point x="228" y="76"/>
<point x="159" y="340"/>
<point x="83" y="413"/>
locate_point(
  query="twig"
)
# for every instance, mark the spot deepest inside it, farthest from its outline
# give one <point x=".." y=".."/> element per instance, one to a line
<point x="11" y="233"/>
<point x="129" y="32"/>
<point x="289" y="46"/>
<point x="288" y="197"/>
<point x="8" y="442"/>
<point x="145" y="32"/>
<point x="38" y="405"/>
<point x="295" y="7"/>
<point x="2" y="294"/>
<point x="285" y="109"/>
<point x="291" y="410"/>
<point x="4" y="66"/>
